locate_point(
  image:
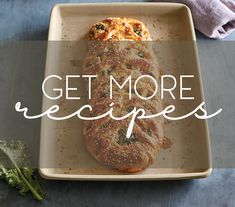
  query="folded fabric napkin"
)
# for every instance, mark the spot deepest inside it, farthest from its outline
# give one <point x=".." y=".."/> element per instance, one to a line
<point x="214" y="18"/>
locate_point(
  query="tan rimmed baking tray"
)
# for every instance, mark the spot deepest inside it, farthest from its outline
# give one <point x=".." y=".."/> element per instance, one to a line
<point x="62" y="151"/>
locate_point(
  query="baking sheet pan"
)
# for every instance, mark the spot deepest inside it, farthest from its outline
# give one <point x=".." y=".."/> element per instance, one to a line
<point x="62" y="151"/>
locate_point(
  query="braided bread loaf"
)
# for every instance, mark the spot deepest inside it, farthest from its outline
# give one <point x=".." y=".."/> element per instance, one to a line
<point x="105" y="139"/>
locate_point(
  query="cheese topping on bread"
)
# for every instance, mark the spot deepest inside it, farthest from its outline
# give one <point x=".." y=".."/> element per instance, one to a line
<point x="119" y="29"/>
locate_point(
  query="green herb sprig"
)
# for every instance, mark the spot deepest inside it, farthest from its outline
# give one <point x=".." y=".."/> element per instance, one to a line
<point x="13" y="161"/>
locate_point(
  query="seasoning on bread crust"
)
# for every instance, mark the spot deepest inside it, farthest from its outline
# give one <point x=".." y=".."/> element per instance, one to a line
<point x="105" y="139"/>
<point x="119" y="29"/>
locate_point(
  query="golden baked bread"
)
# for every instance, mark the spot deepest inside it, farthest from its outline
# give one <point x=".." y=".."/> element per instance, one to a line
<point x="105" y="139"/>
<point x="120" y="28"/>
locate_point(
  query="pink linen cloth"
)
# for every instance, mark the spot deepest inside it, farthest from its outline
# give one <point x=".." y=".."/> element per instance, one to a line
<point x="214" y="18"/>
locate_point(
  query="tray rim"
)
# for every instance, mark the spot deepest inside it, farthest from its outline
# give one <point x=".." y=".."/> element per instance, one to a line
<point x="130" y="4"/>
<point x="130" y="177"/>
<point x="44" y="172"/>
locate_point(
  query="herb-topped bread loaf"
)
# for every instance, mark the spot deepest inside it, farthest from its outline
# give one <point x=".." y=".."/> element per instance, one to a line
<point x="110" y="52"/>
